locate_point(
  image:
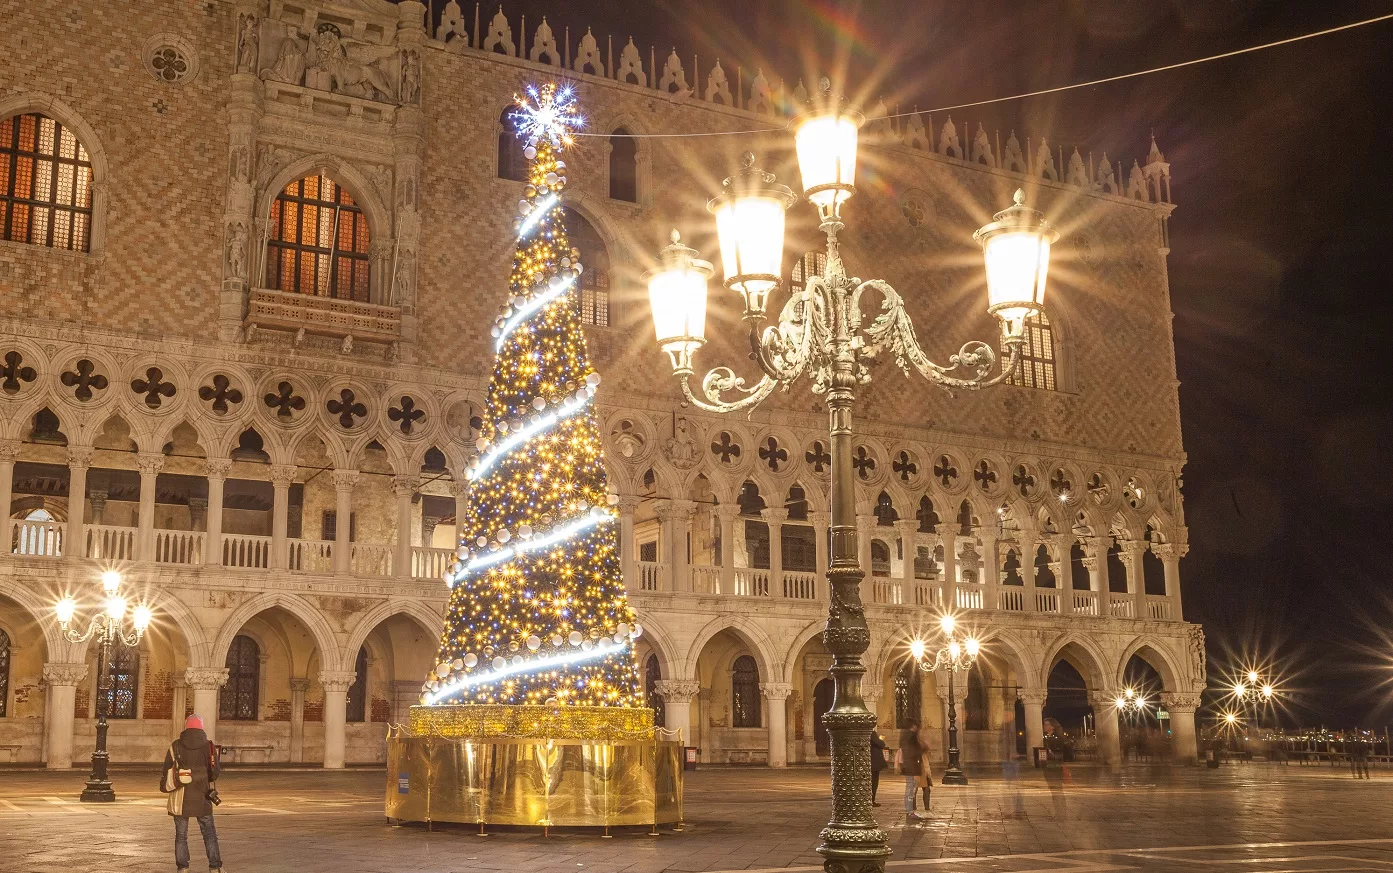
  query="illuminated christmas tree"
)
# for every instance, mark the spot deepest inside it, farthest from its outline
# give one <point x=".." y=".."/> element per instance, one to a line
<point x="538" y="613"/>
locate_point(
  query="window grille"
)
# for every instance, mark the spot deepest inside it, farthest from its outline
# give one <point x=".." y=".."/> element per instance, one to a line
<point x="238" y="699"/>
<point x="319" y="242"/>
<point x="1037" y="366"/>
<point x="744" y="693"/>
<point x="45" y="184"/>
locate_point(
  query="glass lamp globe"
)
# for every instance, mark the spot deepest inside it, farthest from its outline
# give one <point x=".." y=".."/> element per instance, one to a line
<point x="1016" y="246"/>
<point x="916" y="648"/>
<point x="947" y="623"/>
<point x="64" y="609"/>
<point x="677" y="298"/>
<point x="750" y="226"/>
<point x="825" y="138"/>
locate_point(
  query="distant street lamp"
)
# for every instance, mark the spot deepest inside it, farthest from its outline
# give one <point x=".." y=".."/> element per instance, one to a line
<point x="821" y="334"/>
<point x="951" y="656"/>
<point x="1130" y="702"/>
<point x="108" y="627"/>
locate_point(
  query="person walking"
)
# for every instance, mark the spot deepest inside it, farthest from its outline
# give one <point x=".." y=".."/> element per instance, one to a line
<point x="926" y="776"/>
<point x="911" y="757"/>
<point x="878" y="748"/>
<point x="189" y="779"/>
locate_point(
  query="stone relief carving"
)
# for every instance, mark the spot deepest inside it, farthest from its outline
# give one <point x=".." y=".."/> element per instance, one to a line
<point x="410" y="77"/>
<point x="681" y="448"/>
<point x="237" y="251"/>
<point x="1198" y="659"/>
<point x="248" y="43"/>
<point x="289" y="67"/>
<point x="347" y="68"/>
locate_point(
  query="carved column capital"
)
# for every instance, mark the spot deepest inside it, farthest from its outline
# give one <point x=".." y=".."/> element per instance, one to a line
<point x="1095" y="546"/>
<point x="404" y="486"/>
<point x="336" y="680"/>
<point x="217" y="468"/>
<point x="820" y="518"/>
<point x="79" y="457"/>
<point x="628" y="503"/>
<point x="150" y="463"/>
<point x="1132" y="548"/>
<point x="458" y="489"/>
<point x="9" y="450"/>
<point x="675" y="509"/>
<point x="775" y="690"/>
<point x="677" y="690"/>
<point x="1032" y="696"/>
<point x="303" y="685"/>
<point x="775" y="515"/>
<point x="345" y="480"/>
<point x="727" y="511"/>
<point x="1179" y="701"/>
<point x="283" y="475"/>
<point x="64" y="674"/>
<point x="205" y="678"/>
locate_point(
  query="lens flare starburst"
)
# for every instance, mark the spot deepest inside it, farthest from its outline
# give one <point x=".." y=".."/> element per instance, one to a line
<point x="550" y="113"/>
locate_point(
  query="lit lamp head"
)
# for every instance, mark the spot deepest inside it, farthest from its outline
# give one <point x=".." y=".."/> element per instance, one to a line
<point x="825" y="138"/>
<point x="1121" y="703"/>
<point x="1016" y="246"/>
<point x="1239" y="689"/>
<point x="64" y="609"/>
<point x="954" y="649"/>
<point x="677" y="297"/>
<point x="1253" y="677"/>
<point x="973" y="647"/>
<point x="1230" y="718"/>
<point x="947" y="623"/>
<point x="1129" y="693"/>
<point x="111" y="580"/>
<point x="1267" y="692"/>
<point x="141" y="618"/>
<point x="750" y="225"/>
<point x="116" y="608"/>
<point x="916" y="648"/>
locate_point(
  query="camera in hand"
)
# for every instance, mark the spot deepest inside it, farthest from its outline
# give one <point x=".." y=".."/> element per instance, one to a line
<point x="213" y="797"/>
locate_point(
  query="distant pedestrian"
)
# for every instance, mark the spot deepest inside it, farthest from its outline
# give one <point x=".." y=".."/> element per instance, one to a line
<point x="189" y="779"/>
<point x="1359" y="759"/>
<point x="878" y="763"/>
<point x="926" y="778"/>
<point x="911" y="760"/>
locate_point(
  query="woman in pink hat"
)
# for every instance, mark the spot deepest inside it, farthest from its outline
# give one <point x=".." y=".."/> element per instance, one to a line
<point x="189" y="778"/>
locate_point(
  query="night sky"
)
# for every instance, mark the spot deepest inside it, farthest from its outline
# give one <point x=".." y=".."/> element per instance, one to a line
<point x="1280" y="172"/>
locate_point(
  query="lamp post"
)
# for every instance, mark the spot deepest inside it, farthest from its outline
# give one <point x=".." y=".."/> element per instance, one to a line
<point x="109" y="630"/>
<point x="951" y="656"/>
<point x="820" y="334"/>
<point x="1253" y="691"/>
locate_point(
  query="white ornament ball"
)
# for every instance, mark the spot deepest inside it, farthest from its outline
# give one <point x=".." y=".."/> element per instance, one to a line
<point x="516" y="424"/>
<point x="556" y="640"/>
<point x="592" y="379"/>
<point x="586" y="646"/>
<point x="525" y="531"/>
<point x="621" y="630"/>
<point x="462" y="553"/>
<point x="551" y="701"/>
<point x="442" y="669"/>
<point x="470" y="660"/>
<point x="530" y="153"/>
<point x="524" y="206"/>
<point x="551" y="178"/>
<point x="504" y="536"/>
<point x="613" y="499"/>
<point x="482" y="541"/>
<point x="560" y="165"/>
<point x="565" y="262"/>
<point x="502" y="427"/>
<point x="638" y="631"/>
<point x="517" y="660"/>
<point x="481" y="444"/>
<point x="499" y="663"/>
<point x="575" y="638"/>
<point x="539" y="403"/>
<point x="496" y="331"/>
<point x="534" y="643"/>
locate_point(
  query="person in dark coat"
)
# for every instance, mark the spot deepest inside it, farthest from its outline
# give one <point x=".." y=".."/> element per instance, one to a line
<point x="195" y="753"/>
<point x="878" y="763"/>
<point x="911" y="765"/>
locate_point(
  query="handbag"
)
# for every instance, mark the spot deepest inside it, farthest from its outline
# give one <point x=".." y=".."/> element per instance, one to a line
<point x="175" y="778"/>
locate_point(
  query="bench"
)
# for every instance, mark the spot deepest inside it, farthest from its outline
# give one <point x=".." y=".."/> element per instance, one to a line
<point x="234" y="754"/>
<point x="9" y="752"/>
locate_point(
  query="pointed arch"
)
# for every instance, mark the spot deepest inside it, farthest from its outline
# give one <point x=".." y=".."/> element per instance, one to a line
<point x="1153" y="651"/>
<point x="326" y="640"/>
<point x="430" y="621"/>
<point x="661" y="644"/>
<point x="51" y="106"/>
<point x="750" y="632"/>
<point x="1083" y="654"/>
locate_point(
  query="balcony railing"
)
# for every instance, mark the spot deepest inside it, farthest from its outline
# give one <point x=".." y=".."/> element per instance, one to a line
<point x="312" y="556"/>
<point x="178" y="547"/>
<point x="1012" y="599"/>
<point x="650" y="575"/>
<point x="800" y="585"/>
<point x="1159" y="607"/>
<point x="43" y="539"/>
<point x="110" y="542"/>
<point x="372" y="560"/>
<point x="1085" y="603"/>
<point x="428" y="563"/>
<point x="1121" y="606"/>
<point x="751" y="583"/>
<point x="246" y="550"/>
<point x="706" y="579"/>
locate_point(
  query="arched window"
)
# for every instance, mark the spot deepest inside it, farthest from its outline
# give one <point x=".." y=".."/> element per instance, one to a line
<point x="907" y="695"/>
<point x="880" y="558"/>
<point x="594" y="279"/>
<point x="511" y="164"/>
<point x="238" y="699"/>
<point x="318" y="241"/>
<point x="45" y="184"/>
<point x="124" y="673"/>
<point x="652" y="672"/>
<point x="744" y="693"/>
<point x="1037" y="368"/>
<point x="4" y="672"/>
<point x="811" y="264"/>
<point x="358" y="691"/>
<point x="928" y="519"/>
<point x="885" y="514"/>
<point x="975" y="719"/>
<point x="623" y="166"/>
<point x="39" y="535"/>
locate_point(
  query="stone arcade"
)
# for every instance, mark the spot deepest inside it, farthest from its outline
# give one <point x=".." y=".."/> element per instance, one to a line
<point x="249" y="253"/>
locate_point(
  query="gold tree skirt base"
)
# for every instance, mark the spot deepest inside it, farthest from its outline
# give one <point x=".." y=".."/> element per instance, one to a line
<point x="533" y="781"/>
<point x="489" y="721"/>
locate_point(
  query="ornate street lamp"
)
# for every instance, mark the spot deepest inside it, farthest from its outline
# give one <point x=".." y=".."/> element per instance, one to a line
<point x="820" y="334"/>
<point x="951" y="656"/>
<point x="1130" y="702"/>
<point x="108" y="627"/>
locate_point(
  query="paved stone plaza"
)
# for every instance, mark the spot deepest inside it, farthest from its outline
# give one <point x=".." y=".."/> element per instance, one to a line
<point x="1250" y="817"/>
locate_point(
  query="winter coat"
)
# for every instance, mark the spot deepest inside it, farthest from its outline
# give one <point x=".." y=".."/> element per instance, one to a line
<point x="877" y="753"/>
<point x="912" y="753"/>
<point x="193" y="752"/>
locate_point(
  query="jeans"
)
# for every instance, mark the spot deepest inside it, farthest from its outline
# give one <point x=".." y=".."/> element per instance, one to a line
<point x="911" y="784"/>
<point x="875" y="783"/>
<point x="210" y="841"/>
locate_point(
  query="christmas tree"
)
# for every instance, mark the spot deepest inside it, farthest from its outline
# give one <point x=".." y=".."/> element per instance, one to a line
<point x="538" y="613"/>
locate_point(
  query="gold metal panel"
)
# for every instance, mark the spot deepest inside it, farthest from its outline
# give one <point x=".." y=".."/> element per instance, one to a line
<point x="483" y="721"/>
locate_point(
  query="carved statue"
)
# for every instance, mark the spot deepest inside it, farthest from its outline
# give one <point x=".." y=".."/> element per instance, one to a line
<point x="350" y="70"/>
<point x="410" y="77"/>
<point x="290" y="63"/>
<point x="681" y="448"/>
<point x="240" y="161"/>
<point x="237" y="251"/>
<point x="247" y="42"/>
<point x="1198" y="659"/>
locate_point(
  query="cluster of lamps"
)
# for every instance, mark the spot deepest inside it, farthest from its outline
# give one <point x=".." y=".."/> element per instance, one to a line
<point x="109" y="628"/>
<point x="953" y="655"/>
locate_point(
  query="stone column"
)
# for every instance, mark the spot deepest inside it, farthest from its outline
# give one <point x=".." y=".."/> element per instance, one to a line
<point x="459" y="491"/>
<point x="60" y="694"/>
<point x="335" y="684"/>
<point x="727" y="514"/>
<point x="1105" y="724"/>
<point x="298" y="687"/>
<point x="404" y="488"/>
<point x="676" y="517"/>
<point x="1064" y="576"/>
<point x="677" y="695"/>
<point x="1182" y="708"/>
<point x="822" y="522"/>
<point x="206" y="682"/>
<point x="9" y="453"/>
<point x="1029" y="547"/>
<point x="627" y="504"/>
<point x="1170" y="555"/>
<point x="991" y="572"/>
<point x="1136" y="580"/>
<point x="866" y="523"/>
<point x="908" y="529"/>
<point x="79" y="460"/>
<point x="774" y="518"/>
<point x="949" y="535"/>
<point x="216" y="470"/>
<point x="97" y="498"/>
<point x="282" y="475"/>
<point x="344" y="482"/>
<point x="776" y="694"/>
<point x="150" y="465"/>
<point x="1033" y="699"/>
<point x="1096" y="561"/>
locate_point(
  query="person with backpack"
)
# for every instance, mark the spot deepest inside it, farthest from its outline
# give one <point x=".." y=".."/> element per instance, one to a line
<point x="878" y="748"/>
<point x="189" y="780"/>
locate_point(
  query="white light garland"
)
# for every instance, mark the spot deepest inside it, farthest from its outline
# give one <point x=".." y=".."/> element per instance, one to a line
<point x="512" y="669"/>
<point x="536" y="215"/>
<point x="590" y="519"/>
<point x="570" y="406"/>
<point x="530" y="307"/>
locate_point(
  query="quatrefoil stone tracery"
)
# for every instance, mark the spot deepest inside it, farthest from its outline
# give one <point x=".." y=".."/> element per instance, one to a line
<point x="347" y="409"/>
<point x="406" y="413"/>
<point x="284" y="401"/>
<point x="84" y="379"/>
<point x="14" y="373"/>
<point x="220" y="394"/>
<point x="153" y="387"/>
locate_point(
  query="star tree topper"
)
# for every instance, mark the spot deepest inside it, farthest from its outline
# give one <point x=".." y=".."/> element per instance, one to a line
<point x="548" y="113"/>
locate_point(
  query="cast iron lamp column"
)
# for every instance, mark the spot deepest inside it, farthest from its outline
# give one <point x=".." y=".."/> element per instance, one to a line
<point x="820" y="334"/>
<point x="108" y="629"/>
<point x="951" y="656"/>
<point x="1252" y="691"/>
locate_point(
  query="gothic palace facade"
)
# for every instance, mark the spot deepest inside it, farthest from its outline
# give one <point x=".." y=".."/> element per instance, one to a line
<point x="251" y="251"/>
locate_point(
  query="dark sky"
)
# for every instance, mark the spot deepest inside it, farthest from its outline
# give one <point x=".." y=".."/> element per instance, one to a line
<point x="1281" y="172"/>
